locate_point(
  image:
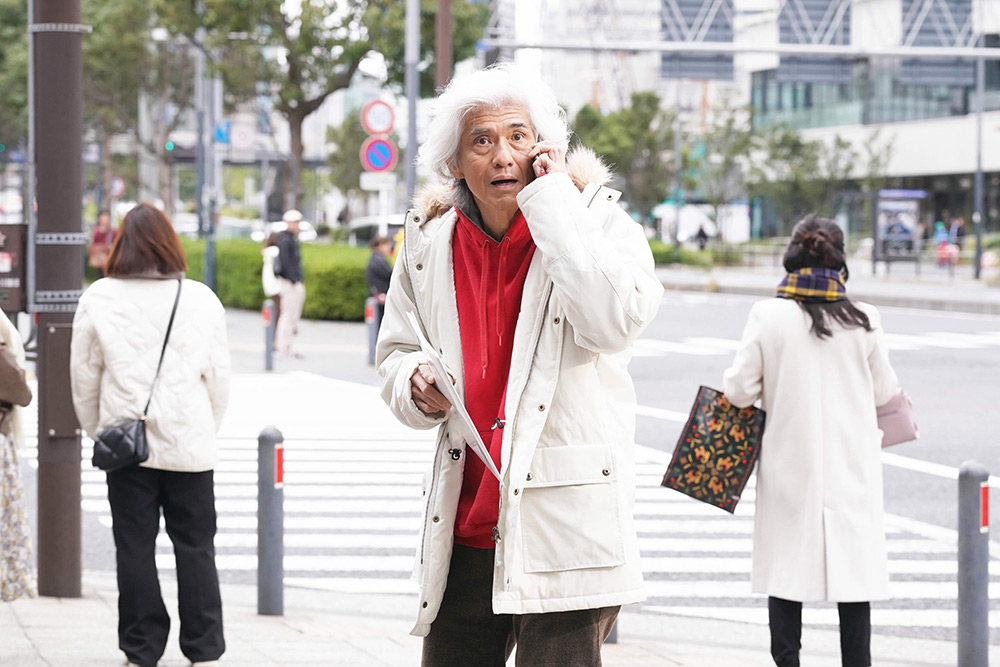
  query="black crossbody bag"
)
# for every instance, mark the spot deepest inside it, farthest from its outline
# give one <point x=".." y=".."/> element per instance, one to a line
<point x="125" y="444"/>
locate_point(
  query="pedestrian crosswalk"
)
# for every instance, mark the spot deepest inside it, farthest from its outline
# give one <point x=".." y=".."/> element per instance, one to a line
<point x="352" y="513"/>
<point x="710" y="346"/>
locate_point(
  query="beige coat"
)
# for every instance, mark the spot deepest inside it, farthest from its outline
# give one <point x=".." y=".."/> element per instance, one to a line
<point x="818" y="527"/>
<point x="566" y="527"/>
<point x="118" y="333"/>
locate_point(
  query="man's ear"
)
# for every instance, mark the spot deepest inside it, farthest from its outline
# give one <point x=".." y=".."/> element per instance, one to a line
<point x="456" y="171"/>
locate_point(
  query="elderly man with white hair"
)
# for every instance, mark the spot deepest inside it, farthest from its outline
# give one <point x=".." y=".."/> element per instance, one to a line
<point x="526" y="275"/>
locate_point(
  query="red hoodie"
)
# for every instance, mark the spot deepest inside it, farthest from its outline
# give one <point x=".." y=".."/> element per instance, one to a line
<point x="489" y="281"/>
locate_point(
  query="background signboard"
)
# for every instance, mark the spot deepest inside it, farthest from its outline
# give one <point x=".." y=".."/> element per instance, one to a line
<point x="378" y="154"/>
<point x="898" y="233"/>
<point x="377" y="118"/>
<point x="12" y="267"/>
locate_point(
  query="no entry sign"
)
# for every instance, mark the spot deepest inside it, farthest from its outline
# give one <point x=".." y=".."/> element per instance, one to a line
<point x="378" y="154"/>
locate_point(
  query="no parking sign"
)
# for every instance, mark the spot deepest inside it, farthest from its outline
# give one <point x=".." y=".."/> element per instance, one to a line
<point x="378" y="154"/>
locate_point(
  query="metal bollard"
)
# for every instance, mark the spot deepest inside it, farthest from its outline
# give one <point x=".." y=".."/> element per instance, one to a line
<point x="373" y="318"/>
<point x="269" y="328"/>
<point x="270" y="522"/>
<point x="973" y="565"/>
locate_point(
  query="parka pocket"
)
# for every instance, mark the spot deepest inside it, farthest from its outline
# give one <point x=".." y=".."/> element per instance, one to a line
<point x="570" y="510"/>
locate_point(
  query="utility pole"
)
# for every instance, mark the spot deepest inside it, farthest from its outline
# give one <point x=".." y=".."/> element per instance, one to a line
<point x="977" y="215"/>
<point x="412" y="81"/>
<point x="443" y="46"/>
<point x="58" y="129"/>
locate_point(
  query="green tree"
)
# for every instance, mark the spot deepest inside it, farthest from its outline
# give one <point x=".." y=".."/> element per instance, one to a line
<point x="303" y="52"/>
<point x="115" y="61"/>
<point x="837" y="162"/>
<point x="638" y="143"/>
<point x="727" y="151"/>
<point x="13" y="73"/>
<point x="784" y="171"/>
<point x="345" y="165"/>
<point x="385" y="20"/>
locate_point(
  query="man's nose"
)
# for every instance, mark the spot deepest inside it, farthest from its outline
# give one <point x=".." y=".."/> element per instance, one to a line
<point x="503" y="156"/>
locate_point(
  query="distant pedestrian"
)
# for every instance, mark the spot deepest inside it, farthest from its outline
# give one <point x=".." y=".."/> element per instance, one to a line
<point x="957" y="232"/>
<point x="507" y="254"/>
<point x="269" y="281"/>
<point x="100" y="243"/>
<point x="379" y="271"/>
<point x="820" y="365"/>
<point x="701" y="238"/>
<point x="15" y="533"/>
<point x="118" y="334"/>
<point x="291" y="283"/>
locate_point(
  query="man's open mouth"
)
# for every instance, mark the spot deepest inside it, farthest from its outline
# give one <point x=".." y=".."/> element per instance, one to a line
<point x="504" y="181"/>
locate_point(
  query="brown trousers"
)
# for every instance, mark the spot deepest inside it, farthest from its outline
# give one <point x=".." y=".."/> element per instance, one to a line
<point x="467" y="632"/>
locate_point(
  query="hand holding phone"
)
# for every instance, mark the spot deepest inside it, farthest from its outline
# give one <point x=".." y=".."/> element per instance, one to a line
<point x="547" y="158"/>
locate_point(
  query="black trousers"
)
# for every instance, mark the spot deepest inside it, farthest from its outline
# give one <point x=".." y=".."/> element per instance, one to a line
<point x="466" y="632"/>
<point x="785" y="621"/>
<point x="188" y="502"/>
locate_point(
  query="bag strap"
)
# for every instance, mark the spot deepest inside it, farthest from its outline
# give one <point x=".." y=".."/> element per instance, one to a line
<point x="163" y="350"/>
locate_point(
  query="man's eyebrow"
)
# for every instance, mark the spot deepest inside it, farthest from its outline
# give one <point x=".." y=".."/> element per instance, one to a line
<point x="514" y="125"/>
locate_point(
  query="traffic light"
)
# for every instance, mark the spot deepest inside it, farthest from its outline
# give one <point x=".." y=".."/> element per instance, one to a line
<point x="169" y="145"/>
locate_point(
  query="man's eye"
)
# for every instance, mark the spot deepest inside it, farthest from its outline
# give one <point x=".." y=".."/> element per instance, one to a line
<point x="518" y="136"/>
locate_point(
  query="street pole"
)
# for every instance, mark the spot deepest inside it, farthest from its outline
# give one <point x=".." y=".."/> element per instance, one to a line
<point x="412" y="55"/>
<point x="214" y="171"/>
<point x="678" y="168"/>
<point x="443" y="45"/>
<point x="199" y="105"/>
<point x="977" y="215"/>
<point x="59" y="247"/>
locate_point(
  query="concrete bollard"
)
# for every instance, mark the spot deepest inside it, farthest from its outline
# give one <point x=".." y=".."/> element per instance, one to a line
<point x="973" y="565"/>
<point x="270" y="522"/>
<point x="269" y="328"/>
<point x="373" y="318"/>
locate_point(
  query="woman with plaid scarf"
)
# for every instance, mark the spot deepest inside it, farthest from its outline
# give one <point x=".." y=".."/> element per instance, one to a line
<point x="819" y="364"/>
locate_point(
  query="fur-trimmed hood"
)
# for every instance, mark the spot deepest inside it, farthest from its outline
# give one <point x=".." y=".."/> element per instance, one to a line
<point x="583" y="164"/>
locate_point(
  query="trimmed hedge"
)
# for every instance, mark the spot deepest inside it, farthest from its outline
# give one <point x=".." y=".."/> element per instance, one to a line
<point x="666" y="253"/>
<point x="334" y="275"/>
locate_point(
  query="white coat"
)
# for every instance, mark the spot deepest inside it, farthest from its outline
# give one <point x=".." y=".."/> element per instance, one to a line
<point x="118" y="332"/>
<point x="818" y="528"/>
<point x="567" y="537"/>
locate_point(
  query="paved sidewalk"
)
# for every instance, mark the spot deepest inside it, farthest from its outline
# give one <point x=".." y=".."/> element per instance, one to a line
<point x="933" y="289"/>
<point x="344" y="630"/>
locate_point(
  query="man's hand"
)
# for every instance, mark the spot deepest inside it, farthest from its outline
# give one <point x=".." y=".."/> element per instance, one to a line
<point x="547" y="158"/>
<point x="425" y="395"/>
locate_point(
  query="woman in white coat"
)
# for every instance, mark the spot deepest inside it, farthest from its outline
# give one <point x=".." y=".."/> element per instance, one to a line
<point x="819" y="365"/>
<point x="118" y="333"/>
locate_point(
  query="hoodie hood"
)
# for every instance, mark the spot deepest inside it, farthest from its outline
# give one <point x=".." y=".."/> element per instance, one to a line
<point x="583" y="164"/>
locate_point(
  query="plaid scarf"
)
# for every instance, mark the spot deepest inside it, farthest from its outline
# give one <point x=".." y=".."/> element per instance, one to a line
<point x="813" y="285"/>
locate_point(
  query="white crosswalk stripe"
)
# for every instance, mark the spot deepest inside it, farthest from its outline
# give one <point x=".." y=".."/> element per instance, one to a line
<point x="352" y="516"/>
<point x="708" y="346"/>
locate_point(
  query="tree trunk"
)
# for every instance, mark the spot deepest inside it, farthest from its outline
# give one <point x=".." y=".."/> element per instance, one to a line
<point x="293" y="187"/>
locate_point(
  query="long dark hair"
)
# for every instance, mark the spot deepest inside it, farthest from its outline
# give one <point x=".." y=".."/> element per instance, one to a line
<point x="146" y="242"/>
<point x="819" y="243"/>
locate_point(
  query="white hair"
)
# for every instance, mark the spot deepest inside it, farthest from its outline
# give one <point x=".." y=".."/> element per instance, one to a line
<point x="491" y="88"/>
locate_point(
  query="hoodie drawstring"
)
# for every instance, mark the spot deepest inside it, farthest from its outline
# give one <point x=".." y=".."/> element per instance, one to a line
<point x="484" y="343"/>
<point x="501" y="288"/>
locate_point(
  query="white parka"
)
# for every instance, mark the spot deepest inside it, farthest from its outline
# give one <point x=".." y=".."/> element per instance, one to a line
<point x="818" y="527"/>
<point x="118" y="333"/>
<point x="567" y="538"/>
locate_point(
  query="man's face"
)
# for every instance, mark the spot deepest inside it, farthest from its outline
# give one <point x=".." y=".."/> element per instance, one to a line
<point x="493" y="158"/>
<point x="293" y="227"/>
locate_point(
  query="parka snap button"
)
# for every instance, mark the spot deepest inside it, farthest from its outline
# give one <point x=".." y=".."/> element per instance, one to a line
<point x="541" y="408"/>
<point x="610" y="197"/>
<point x="529" y="477"/>
<point x="424" y="605"/>
<point x="420" y="267"/>
<point x="557" y="320"/>
<point x="437" y="518"/>
<point x="516" y="491"/>
<point x="604" y="472"/>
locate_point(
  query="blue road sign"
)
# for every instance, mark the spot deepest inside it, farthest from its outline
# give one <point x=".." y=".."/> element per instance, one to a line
<point x="222" y="131"/>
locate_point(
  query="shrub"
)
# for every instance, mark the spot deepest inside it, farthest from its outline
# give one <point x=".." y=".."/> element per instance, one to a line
<point x="664" y="253"/>
<point x="334" y="275"/>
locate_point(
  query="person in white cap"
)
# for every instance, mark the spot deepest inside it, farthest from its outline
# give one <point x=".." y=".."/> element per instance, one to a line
<point x="288" y="270"/>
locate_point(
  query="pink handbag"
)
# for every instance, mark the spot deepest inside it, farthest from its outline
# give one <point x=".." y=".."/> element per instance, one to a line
<point x="895" y="419"/>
